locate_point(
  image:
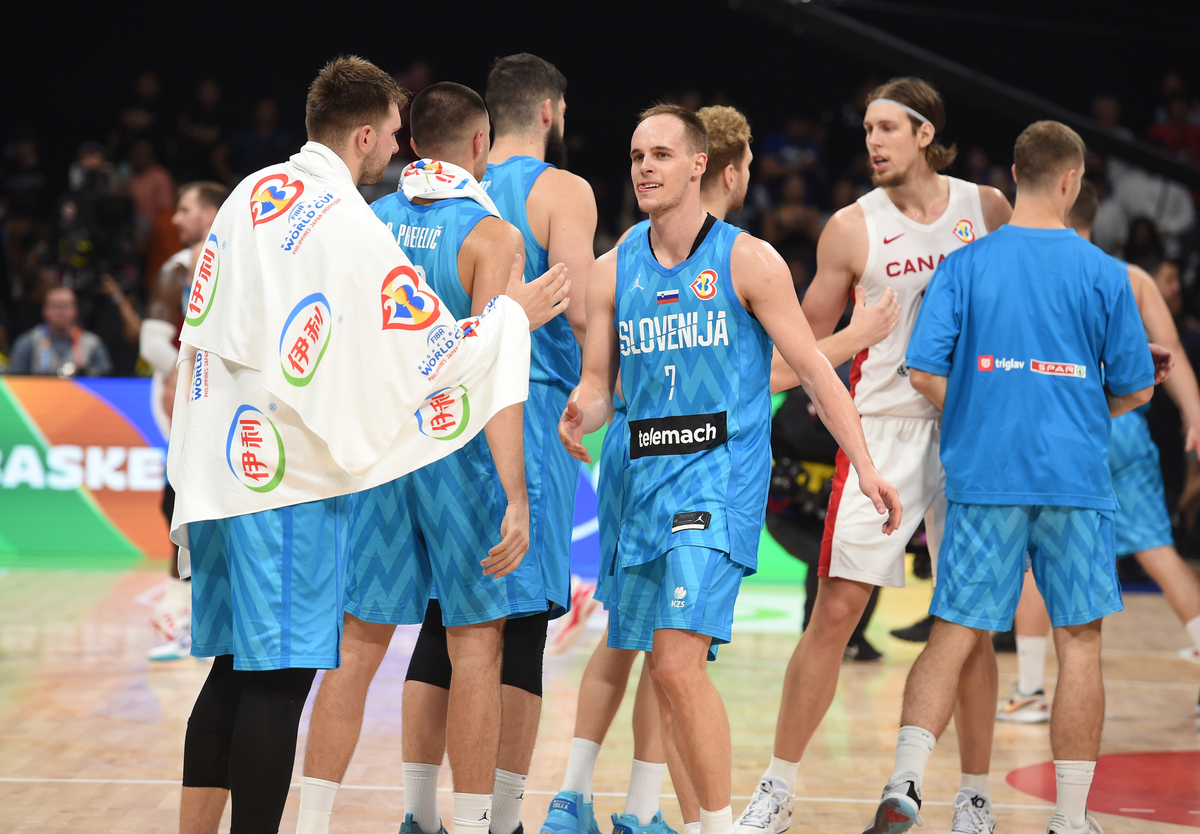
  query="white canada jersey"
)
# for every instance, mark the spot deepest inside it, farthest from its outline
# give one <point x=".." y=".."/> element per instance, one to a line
<point x="903" y="254"/>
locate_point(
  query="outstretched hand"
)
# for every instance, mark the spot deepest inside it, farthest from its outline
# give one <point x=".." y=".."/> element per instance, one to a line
<point x="543" y="298"/>
<point x="1163" y="363"/>
<point x="874" y="323"/>
<point x="570" y="432"/>
<point x="885" y="498"/>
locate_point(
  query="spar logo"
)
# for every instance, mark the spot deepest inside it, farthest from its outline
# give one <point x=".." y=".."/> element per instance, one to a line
<point x="405" y="305"/>
<point x="964" y="231"/>
<point x="199" y="377"/>
<point x="254" y="450"/>
<point x="272" y="196"/>
<point x="305" y="338"/>
<point x="445" y="413"/>
<point x="1058" y="368"/>
<point x="204" y="284"/>
<point x="705" y="285"/>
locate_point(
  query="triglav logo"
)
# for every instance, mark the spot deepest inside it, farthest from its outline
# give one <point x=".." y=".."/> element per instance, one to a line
<point x="272" y="196"/>
<point x="254" y="454"/>
<point x="204" y="284"/>
<point x="705" y="285"/>
<point x="405" y="305"/>
<point x="445" y="413"/>
<point x="305" y="338"/>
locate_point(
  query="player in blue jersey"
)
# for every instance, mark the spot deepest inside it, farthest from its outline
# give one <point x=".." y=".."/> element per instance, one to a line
<point x="687" y="313"/>
<point x="1142" y="524"/>
<point x="1026" y="316"/>
<point x="456" y="529"/>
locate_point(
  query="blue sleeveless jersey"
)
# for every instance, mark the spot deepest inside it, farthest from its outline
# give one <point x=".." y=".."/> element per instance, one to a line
<point x="555" y="355"/>
<point x="695" y="372"/>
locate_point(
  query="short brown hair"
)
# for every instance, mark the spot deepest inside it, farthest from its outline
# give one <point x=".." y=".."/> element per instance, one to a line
<point x="923" y="97"/>
<point x="728" y="137"/>
<point x="442" y="114"/>
<point x="1044" y="150"/>
<point x="347" y="93"/>
<point x="516" y="87"/>
<point x="210" y="194"/>
<point x="694" y="130"/>
<point x="1083" y="212"/>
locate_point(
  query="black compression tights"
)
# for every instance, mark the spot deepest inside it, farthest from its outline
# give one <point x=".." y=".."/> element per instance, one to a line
<point x="242" y="736"/>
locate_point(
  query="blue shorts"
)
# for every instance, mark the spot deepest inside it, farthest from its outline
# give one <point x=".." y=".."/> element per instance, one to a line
<point x="424" y="535"/>
<point x="614" y="457"/>
<point x="267" y="587"/>
<point x="1142" y="522"/>
<point x="983" y="558"/>
<point x="690" y="588"/>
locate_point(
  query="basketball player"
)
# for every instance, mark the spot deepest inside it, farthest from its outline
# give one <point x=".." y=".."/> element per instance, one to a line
<point x="722" y="190"/>
<point x="894" y="237"/>
<point x="555" y="212"/>
<point x="1026" y="318"/>
<point x="695" y="377"/>
<point x="1141" y="525"/>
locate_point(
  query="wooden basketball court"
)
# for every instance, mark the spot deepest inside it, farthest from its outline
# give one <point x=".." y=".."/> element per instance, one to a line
<point x="91" y="734"/>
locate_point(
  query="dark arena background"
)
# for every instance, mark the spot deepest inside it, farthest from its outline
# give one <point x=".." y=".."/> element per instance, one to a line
<point x="136" y="99"/>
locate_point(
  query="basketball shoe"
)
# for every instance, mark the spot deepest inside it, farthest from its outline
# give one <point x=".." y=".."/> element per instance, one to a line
<point x="1018" y="708"/>
<point x="769" y="811"/>
<point x="972" y="814"/>
<point x="1191" y="653"/>
<point x="410" y="827"/>
<point x="569" y="814"/>
<point x="628" y="824"/>
<point x="574" y="622"/>
<point x="1059" y="825"/>
<point x="898" y="811"/>
<point x="176" y="648"/>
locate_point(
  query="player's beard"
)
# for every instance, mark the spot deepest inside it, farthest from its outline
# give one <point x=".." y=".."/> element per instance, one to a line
<point x="891" y="178"/>
<point x="556" y="148"/>
<point x="372" y="168"/>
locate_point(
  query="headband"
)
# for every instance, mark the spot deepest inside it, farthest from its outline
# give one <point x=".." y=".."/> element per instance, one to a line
<point x="903" y="107"/>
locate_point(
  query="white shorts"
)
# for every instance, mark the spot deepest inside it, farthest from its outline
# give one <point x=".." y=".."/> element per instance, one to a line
<point x="905" y="449"/>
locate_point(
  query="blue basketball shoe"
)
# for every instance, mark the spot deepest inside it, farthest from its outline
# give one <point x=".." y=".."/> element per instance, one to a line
<point x="410" y="827"/>
<point x="569" y="814"/>
<point x="628" y="824"/>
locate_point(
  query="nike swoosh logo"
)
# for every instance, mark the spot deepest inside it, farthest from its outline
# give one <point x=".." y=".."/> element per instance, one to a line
<point x="888" y="240"/>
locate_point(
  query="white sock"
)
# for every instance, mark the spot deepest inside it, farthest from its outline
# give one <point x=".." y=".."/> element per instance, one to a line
<point x="913" y="748"/>
<point x="645" y="786"/>
<point x="779" y="769"/>
<point x="1031" y="663"/>
<point x="580" y="764"/>
<point x="691" y="828"/>
<point x="472" y="813"/>
<point x="717" y="822"/>
<point x="420" y="795"/>
<point x="1074" y="780"/>
<point x="508" y="794"/>
<point x="1193" y="629"/>
<point x="977" y="782"/>
<point x="316" y="804"/>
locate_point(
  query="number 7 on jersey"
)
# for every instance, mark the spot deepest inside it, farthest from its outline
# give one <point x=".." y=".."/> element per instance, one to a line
<point x="670" y="369"/>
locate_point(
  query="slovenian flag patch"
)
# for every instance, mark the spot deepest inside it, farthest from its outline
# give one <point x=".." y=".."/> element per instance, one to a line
<point x="668" y="296"/>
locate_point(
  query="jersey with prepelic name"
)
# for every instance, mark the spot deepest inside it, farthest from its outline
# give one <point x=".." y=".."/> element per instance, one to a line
<point x="903" y="254"/>
<point x="554" y="350"/>
<point x="695" y="372"/>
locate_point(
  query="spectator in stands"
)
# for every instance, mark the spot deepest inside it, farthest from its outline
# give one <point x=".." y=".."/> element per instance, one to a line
<point x="200" y="131"/>
<point x="795" y="149"/>
<point x="793" y="222"/>
<point x="256" y="147"/>
<point x="91" y="172"/>
<point x="1178" y="134"/>
<point x="25" y="188"/>
<point x="59" y="347"/>
<point x="139" y="118"/>
<point x="149" y="185"/>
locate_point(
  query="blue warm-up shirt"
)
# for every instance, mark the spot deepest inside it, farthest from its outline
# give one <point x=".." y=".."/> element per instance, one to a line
<point x="1021" y="323"/>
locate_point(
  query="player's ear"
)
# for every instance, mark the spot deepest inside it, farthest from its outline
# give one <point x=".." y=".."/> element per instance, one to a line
<point x="730" y="177"/>
<point x="412" y="143"/>
<point x="925" y="135"/>
<point x="547" y="113"/>
<point x="701" y="164"/>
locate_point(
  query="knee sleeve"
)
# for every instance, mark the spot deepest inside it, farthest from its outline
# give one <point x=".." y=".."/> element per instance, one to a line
<point x="210" y="728"/>
<point x="524" y="651"/>
<point x="430" y="661"/>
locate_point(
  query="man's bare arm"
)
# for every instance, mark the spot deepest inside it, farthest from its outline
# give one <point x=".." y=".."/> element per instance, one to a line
<point x="1119" y="404"/>
<point x="841" y="258"/>
<point x="996" y="210"/>
<point x="764" y="285"/>
<point x="930" y="386"/>
<point x="588" y="406"/>
<point x="572" y="232"/>
<point x="1160" y="327"/>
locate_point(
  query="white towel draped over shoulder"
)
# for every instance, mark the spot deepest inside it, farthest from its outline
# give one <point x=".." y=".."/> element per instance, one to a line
<point x="433" y="179"/>
<point x="314" y="360"/>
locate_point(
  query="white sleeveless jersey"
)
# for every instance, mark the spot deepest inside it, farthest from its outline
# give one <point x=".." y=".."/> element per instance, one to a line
<point x="903" y="254"/>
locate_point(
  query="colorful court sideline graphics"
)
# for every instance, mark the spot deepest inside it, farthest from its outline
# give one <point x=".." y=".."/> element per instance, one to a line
<point x="82" y="466"/>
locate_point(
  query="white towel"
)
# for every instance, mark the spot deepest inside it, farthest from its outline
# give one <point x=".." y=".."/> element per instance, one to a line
<point x="304" y="370"/>
<point x="432" y="179"/>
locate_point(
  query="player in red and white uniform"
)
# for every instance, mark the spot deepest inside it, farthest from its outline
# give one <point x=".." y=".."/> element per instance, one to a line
<point x="893" y="237"/>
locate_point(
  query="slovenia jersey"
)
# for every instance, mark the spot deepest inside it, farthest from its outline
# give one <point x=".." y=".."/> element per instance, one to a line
<point x="695" y="372"/>
<point x="555" y="356"/>
<point x="1020" y="323"/>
